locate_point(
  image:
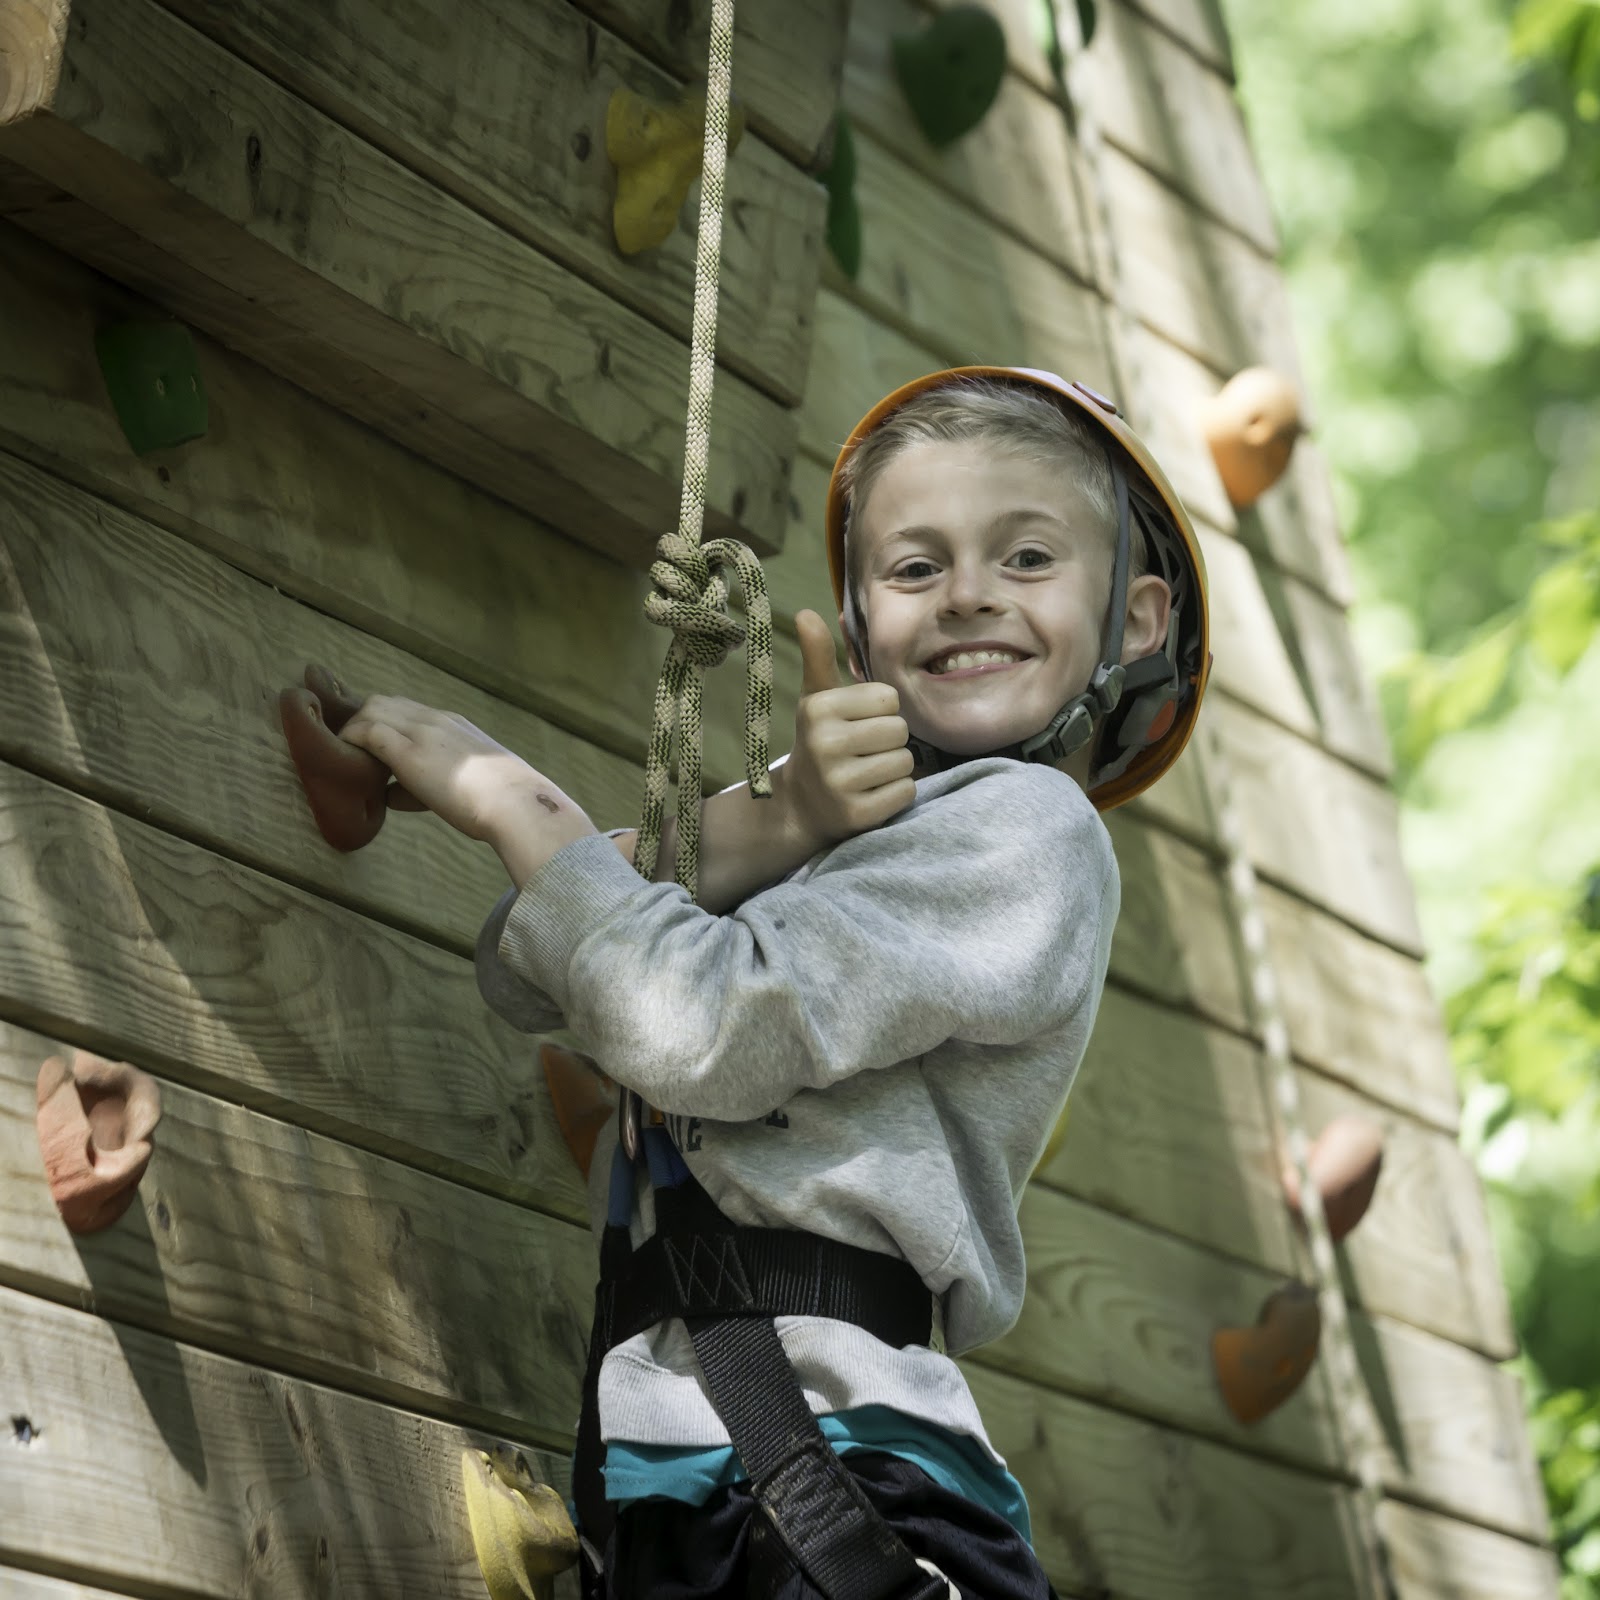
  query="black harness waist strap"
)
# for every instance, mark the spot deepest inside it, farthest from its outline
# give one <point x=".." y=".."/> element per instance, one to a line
<point x="767" y="1272"/>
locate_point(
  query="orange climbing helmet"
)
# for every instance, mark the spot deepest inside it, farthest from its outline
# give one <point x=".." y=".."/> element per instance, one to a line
<point x="1140" y="714"/>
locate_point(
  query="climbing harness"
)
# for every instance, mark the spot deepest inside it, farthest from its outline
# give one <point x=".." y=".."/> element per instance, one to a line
<point x="1355" y="1409"/>
<point x="728" y="1283"/>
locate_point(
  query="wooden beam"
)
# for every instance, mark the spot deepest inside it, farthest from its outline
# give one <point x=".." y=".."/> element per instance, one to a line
<point x="328" y="260"/>
<point x="1017" y="168"/>
<point x="1436" y="1559"/>
<point x="154" y="1466"/>
<point x="1198" y="24"/>
<point x="786" y="59"/>
<point x="1118" y="1313"/>
<point x="1124" y="1507"/>
<point x="1171" y="1124"/>
<point x="506" y="111"/>
<point x="138" y="945"/>
<point x="1162" y="106"/>
<point x="321" y="508"/>
<point x="271" y="1244"/>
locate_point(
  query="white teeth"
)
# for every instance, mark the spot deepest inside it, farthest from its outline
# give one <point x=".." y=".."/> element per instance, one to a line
<point x="972" y="658"/>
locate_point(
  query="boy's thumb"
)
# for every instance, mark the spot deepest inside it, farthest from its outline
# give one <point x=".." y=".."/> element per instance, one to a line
<point x="819" y="665"/>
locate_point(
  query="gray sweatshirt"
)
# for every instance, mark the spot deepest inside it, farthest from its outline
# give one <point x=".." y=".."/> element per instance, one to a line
<point x="875" y="1048"/>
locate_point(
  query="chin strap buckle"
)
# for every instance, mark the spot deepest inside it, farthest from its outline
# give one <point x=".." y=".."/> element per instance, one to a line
<point x="1073" y="725"/>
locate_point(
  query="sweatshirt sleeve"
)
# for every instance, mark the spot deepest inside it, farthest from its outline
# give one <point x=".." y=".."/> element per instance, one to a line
<point x="975" y="915"/>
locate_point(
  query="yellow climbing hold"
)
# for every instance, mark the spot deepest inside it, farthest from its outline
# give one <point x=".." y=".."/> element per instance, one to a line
<point x="656" y="149"/>
<point x="520" y="1527"/>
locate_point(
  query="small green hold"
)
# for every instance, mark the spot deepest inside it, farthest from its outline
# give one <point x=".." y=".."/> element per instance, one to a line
<point x="152" y="373"/>
<point x="952" y="71"/>
<point x="844" y="213"/>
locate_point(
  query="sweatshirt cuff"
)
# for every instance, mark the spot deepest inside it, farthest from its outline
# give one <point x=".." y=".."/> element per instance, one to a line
<point x="574" y="893"/>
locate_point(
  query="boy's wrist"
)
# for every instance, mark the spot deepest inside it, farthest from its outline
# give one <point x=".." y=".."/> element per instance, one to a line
<point x="795" y="835"/>
<point x="536" y="823"/>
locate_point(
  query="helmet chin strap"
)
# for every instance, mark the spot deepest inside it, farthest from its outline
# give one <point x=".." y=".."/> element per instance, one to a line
<point x="1073" y="726"/>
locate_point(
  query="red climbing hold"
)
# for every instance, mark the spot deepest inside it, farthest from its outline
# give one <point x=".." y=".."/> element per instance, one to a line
<point x="95" y="1121"/>
<point x="345" y="785"/>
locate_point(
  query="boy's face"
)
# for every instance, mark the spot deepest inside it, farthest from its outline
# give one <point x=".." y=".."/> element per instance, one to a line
<point x="964" y="547"/>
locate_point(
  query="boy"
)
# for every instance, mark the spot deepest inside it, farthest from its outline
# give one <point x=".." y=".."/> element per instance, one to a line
<point x="873" y="1045"/>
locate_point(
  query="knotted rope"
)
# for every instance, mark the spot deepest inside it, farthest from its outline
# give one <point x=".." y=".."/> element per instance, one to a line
<point x="1356" y="1411"/>
<point x="691" y="593"/>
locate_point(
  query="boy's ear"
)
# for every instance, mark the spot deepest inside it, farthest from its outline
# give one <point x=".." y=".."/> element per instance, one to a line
<point x="850" y="651"/>
<point x="1144" y="628"/>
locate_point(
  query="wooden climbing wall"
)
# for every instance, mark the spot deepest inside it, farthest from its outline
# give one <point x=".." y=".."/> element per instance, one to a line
<point x="445" y="420"/>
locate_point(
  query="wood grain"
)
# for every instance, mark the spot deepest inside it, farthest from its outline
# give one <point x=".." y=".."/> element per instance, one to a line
<point x="1439" y="1560"/>
<point x="1118" y="1313"/>
<point x="138" y="945"/>
<point x="285" y="488"/>
<point x="787" y="56"/>
<point x="155" y="1465"/>
<point x="284" y="230"/>
<point x="253" y="1237"/>
<point x="505" y="108"/>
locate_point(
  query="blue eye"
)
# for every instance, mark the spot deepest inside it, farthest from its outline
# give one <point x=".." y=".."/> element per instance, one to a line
<point x="906" y="572"/>
<point x="1043" y="555"/>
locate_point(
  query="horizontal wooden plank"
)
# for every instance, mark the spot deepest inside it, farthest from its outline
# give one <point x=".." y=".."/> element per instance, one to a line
<point x="1018" y="167"/>
<point x="1198" y="24"/>
<point x="153" y="1465"/>
<point x="1195" y="281"/>
<point x="251" y="1236"/>
<point x="923" y="296"/>
<point x="141" y="946"/>
<point x="1285" y="650"/>
<point x="1435" y="1559"/>
<point x="1125" y="1507"/>
<point x="1140" y="1308"/>
<point x="284" y="233"/>
<point x="1171" y="1124"/>
<point x="289" y="490"/>
<point x="506" y="110"/>
<point x="1317" y="826"/>
<point x="1163" y="106"/>
<point x="787" y="56"/>
<point x="180" y="640"/>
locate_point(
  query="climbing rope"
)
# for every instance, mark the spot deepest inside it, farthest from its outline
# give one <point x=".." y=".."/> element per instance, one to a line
<point x="691" y="589"/>
<point x="1355" y="1412"/>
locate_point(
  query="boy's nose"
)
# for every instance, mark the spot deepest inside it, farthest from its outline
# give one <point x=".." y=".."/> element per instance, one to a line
<point x="970" y="588"/>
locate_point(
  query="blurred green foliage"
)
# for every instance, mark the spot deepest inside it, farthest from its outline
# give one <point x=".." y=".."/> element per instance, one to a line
<point x="1435" y="167"/>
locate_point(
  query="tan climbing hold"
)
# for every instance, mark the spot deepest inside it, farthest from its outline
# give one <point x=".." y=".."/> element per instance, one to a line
<point x="95" y="1121"/>
<point x="520" y="1527"/>
<point x="581" y="1096"/>
<point x="1259" y="1368"/>
<point x="1344" y="1163"/>
<point x="656" y="148"/>
<point x="1251" y="427"/>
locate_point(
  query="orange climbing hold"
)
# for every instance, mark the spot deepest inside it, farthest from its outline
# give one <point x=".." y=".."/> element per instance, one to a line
<point x="1251" y="427"/>
<point x="1344" y="1163"/>
<point x="95" y="1120"/>
<point x="1259" y="1368"/>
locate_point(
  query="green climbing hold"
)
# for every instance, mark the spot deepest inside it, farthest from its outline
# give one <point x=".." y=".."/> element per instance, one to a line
<point x="844" y="213"/>
<point x="152" y="374"/>
<point x="951" y="71"/>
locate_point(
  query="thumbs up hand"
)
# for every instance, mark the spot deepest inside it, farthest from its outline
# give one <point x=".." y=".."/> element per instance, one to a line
<point x="849" y="769"/>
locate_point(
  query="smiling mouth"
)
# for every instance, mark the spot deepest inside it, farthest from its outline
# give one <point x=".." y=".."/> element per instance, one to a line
<point x="951" y="665"/>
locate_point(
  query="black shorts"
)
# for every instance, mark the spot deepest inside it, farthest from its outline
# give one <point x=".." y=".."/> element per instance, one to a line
<point x="667" y="1550"/>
